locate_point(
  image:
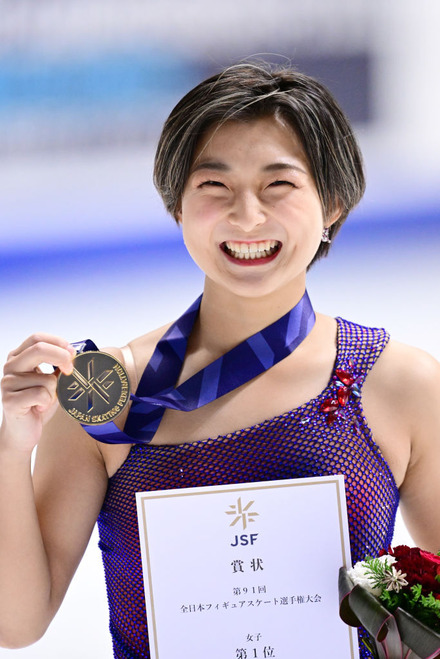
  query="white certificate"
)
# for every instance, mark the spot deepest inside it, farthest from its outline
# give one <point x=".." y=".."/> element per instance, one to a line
<point x="246" y="571"/>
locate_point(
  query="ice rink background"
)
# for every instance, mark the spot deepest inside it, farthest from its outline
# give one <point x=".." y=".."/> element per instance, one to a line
<point x="86" y="249"/>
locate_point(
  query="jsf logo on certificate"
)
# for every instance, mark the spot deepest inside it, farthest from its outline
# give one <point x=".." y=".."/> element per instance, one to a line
<point x="244" y="515"/>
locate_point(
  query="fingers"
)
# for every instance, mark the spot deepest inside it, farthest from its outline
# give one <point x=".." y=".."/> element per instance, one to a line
<point x="24" y="385"/>
<point x="40" y="337"/>
<point x="22" y="391"/>
<point x="18" y="384"/>
<point x="20" y="401"/>
<point x="28" y="394"/>
<point x="39" y="349"/>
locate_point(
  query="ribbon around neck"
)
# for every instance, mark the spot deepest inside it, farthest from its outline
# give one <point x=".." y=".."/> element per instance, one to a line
<point x="156" y="390"/>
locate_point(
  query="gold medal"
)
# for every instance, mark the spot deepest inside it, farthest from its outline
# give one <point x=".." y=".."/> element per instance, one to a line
<point x="96" y="391"/>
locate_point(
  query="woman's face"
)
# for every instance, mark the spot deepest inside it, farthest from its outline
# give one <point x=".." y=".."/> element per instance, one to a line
<point x="251" y="215"/>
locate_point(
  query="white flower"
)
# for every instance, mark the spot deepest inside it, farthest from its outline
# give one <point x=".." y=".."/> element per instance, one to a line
<point x="362" y="575"/>
<point x="359" y="577"/>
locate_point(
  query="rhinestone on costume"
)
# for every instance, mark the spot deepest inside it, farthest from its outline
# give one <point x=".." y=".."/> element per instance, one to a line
<point x="331" y="417"/>
<point x="344" y="376"/>
<point x="343" y="395"/>
<point x="347" y="385"/>
<point x="330" y="405"/>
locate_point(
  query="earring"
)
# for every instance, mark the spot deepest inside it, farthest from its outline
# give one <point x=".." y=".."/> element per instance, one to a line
<point x="326" y="235"/>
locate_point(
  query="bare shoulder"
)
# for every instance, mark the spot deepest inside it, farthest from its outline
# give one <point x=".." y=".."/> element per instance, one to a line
<point x="406" y="375"/>
<point x="406" y="381"/>
<point x="412" y="379"/>
<point x="141" y="348"/>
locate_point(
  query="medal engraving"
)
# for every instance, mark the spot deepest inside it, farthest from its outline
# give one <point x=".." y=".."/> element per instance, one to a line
<point x="96" y="391"/>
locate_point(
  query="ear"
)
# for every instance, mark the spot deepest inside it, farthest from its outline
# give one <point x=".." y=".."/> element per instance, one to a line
<point x="334" y="215"/>
<point x="178" y="216"/>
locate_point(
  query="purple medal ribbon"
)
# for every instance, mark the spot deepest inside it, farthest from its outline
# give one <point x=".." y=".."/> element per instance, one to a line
<point x="250" y="358"/>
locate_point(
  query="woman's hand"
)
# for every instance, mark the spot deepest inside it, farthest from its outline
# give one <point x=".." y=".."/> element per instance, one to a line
<point x="28" y="394"/>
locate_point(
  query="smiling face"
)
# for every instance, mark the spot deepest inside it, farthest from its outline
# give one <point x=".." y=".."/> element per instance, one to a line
<point x="251" y="216"/>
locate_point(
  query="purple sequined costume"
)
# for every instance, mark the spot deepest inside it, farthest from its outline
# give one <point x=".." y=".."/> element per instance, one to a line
<point x="301" y="443"/>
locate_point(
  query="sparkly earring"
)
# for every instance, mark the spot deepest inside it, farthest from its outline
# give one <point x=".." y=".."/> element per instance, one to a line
<point x="326" y="235"/>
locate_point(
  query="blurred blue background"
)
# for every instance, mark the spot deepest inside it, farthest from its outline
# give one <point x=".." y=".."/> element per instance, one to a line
<point x="86" y="248"/>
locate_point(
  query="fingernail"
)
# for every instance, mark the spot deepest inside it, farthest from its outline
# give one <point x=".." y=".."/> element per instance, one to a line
<point x="68" y="369"/>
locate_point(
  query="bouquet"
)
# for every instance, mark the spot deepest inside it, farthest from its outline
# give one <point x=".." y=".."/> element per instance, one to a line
<point x="396" y="598"/>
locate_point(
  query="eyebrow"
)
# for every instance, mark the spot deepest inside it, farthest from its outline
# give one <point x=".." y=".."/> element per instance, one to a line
<point x="273" y="167"/>
<point x="211" y="164"/>
<point x="222" y="167"/>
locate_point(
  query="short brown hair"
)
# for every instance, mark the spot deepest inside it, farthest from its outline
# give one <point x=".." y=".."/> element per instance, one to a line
<point x="246" y="92"/>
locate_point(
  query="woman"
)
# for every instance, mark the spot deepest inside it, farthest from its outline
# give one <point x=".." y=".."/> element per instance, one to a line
<point x="260" y="169"/>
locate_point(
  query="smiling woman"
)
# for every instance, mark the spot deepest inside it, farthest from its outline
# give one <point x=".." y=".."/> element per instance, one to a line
<point x="260" y="168"/>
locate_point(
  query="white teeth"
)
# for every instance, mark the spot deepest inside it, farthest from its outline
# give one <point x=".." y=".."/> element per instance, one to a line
<point x="251" y="250"/>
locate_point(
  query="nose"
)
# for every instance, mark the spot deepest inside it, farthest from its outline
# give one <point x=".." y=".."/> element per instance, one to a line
<point x="246" y="211"/>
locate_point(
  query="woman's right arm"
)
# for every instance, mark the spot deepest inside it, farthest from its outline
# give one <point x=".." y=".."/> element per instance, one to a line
<point x="46" y="519"/>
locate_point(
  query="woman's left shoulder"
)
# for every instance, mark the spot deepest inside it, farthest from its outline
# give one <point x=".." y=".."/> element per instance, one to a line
<point x="402" y="360"/>
<point x="407" y="374"/>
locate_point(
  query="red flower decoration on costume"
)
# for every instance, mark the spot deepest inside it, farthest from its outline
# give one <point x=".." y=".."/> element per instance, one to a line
<point x="347" y="387"/>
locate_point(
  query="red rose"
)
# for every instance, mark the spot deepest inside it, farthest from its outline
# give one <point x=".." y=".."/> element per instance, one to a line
<point x="434" y="558"/>
<point x="420" y="567"/>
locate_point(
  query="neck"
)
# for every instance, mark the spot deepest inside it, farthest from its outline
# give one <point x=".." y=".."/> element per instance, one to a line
<point x="226" y="319"/>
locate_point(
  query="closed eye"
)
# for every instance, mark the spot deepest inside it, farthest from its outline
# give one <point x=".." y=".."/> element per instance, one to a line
<point x="278" y="183"/>
<point x="210" y="182"/>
